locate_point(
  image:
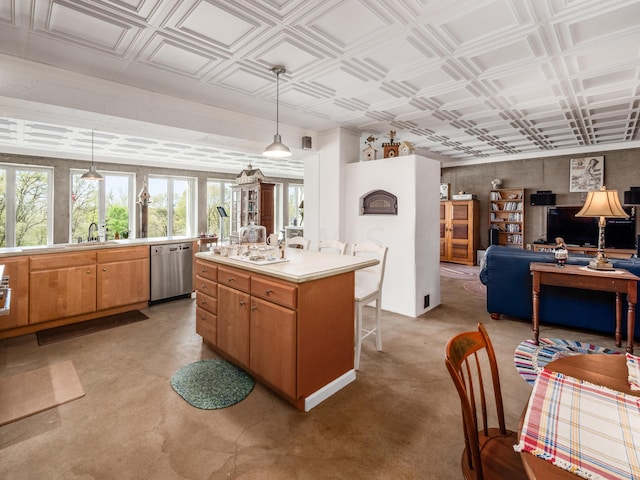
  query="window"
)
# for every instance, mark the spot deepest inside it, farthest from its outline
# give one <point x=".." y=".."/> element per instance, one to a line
<point x="218" y="195"/>
<point x="108" y="204"/>
<point x="174" y="217"/>
<point x="26" y="206"/>
<point x="296" y="207"/>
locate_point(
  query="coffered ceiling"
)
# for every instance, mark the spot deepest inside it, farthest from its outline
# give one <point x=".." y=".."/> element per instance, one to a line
<point x="465" y="81"/>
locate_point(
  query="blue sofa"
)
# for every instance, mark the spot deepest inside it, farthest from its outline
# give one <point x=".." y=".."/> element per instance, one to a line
<point x="508" y="280"/>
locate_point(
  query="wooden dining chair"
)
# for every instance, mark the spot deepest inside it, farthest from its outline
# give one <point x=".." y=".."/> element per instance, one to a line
<point x="488" y="452"/>
<point x="332" y="246"/>
<point x="298" y="242"/>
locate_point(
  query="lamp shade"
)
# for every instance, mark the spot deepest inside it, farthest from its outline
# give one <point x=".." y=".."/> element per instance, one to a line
<point x="277" y="149"/>
<point x="92" y="174"/>
<point x="602" y="203"/>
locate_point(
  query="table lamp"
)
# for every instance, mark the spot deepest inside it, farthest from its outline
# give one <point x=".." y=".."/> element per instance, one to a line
<point x="604" y="204"/>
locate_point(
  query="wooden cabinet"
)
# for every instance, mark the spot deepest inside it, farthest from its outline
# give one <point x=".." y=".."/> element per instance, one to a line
<point x="61" y="285"/>
<point x="17" y="269"/>
<point x="123" y="276"/>
<point x="459" y="231"/>
<point x="506" y="216"/>
<point x="253" y="202"/>
<point x="233" y="324"/>
<point x="206" y="301"/>
<point x="286" y="334"/>
<point x="273" y="345"/>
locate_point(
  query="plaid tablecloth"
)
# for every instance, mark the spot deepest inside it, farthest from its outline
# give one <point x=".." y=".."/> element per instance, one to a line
<point x="587" y="429"/>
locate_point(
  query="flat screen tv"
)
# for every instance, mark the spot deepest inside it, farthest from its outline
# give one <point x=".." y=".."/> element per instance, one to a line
<point x="583" y="231"/>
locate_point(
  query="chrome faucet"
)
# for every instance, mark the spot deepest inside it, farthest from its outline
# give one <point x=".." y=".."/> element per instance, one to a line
<point x="93" y="227"/>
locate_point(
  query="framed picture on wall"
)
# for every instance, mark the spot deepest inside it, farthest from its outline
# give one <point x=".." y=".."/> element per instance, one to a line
<point x="587" y="174"/>
<point x="444" y="191"/>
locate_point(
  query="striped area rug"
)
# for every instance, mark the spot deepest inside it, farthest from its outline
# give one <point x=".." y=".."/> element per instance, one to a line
<point x="531" y="358"/>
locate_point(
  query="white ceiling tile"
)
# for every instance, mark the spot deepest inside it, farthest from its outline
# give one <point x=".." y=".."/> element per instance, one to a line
<point x="496" y="16"/>
<point x="348" y="22"/>
<point x="470" y="79"/>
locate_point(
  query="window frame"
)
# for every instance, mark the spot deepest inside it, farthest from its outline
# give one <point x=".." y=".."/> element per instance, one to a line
<point x="102" y="200"/>
<point x="10" y="200"/>
<point x="191" y="215"/>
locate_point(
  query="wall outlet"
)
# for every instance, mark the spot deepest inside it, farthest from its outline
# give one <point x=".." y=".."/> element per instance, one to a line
<point x="426" y="301"/>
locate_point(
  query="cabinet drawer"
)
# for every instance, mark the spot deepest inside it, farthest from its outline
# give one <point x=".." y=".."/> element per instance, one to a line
<point x="206" y="325"/>
<point x="206" y="286"/>
<point x="280" y="293"/>
<point x="234" y="278"/>
<point x="207" y="270"/>
<point x="124" y="254"/>
<point x="208" y="303"/>
<point x="61" y="260"/>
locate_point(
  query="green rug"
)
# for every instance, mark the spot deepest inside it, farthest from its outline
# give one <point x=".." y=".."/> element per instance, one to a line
<point x="211" y="384"/>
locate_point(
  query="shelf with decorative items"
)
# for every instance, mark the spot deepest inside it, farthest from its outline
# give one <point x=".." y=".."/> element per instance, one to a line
<point x="391" y="149"/>
<point x="506" y="215"/>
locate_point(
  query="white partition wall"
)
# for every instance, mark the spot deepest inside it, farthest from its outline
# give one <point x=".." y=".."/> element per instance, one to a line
<point x="413" y="262"/>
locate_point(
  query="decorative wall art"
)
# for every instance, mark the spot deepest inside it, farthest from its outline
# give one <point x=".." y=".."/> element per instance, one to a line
<point x="444" y="191"/>
<point x="587" y="174"/>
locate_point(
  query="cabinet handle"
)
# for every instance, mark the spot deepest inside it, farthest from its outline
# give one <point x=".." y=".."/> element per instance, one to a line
<point x="230" y="279"/>
<point x="253" y="308"/>
<point x="104" y="269"/>
<point x="242" y="304"/>
<point x="268" y="291"/>
<point x="88" y="271"/>
<point x="203" y="287"/>
<point x="204" y="270"/>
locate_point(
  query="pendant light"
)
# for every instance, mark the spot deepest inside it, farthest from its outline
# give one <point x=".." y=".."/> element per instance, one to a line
<point x="277" y="149"/>
<point x="92" y="174"/>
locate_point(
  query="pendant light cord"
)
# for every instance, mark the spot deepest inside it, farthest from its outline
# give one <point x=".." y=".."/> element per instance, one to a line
<point x="277" y="102"/>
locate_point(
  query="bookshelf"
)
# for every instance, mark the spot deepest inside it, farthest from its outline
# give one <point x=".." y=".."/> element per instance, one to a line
<point x="506" y="215"/>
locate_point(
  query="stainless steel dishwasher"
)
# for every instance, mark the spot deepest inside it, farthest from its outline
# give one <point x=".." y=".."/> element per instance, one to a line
<point x="171" y="271"/>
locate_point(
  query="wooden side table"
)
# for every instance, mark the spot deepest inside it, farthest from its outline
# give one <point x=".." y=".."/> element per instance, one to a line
<point x="619" y="281"/>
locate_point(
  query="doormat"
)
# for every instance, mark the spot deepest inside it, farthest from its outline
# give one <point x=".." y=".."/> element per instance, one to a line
<point x="531" y="358"/>
<point x="38" y="390"/>
<point x="212" y="384"/>
<point x="65" y="332"/>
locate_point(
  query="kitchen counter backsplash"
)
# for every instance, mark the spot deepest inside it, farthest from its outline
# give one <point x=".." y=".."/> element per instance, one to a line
<point x="75" y="247"/>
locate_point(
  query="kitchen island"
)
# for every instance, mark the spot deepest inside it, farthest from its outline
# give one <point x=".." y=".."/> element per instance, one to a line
<point x="289" y="323"/>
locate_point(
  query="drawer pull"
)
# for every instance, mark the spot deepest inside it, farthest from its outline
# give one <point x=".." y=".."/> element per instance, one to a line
<point x="204" y="270"/>
<point x="104" y="269"/>
<point x="230" y="279"/>
<point x="253" y="308"/>
<point x="268" y="291"/>
<point x="242" y="304"/>
<point x="203" y="287"/>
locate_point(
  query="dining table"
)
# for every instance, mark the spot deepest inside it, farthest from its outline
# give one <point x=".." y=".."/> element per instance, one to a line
<point x="607" y="370"/>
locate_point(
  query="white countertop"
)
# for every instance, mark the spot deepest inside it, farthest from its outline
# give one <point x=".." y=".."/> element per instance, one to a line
<point x="302" y="265"/>
<point x="80" y="247"/>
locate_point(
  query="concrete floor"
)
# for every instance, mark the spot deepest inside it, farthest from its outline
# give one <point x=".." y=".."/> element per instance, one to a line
<point x="399" y="420"/>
